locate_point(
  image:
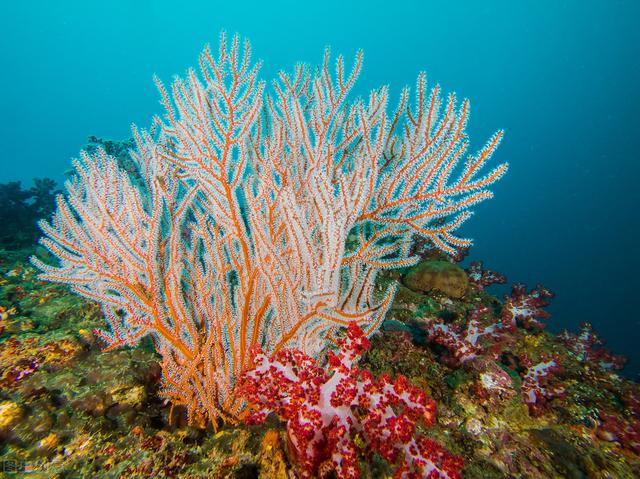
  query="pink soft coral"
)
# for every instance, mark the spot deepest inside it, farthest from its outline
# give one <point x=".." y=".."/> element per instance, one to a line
<point x="326" y="409"/>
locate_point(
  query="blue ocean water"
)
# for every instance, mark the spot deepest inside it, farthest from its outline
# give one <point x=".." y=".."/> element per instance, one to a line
<point x="560" y="77"/>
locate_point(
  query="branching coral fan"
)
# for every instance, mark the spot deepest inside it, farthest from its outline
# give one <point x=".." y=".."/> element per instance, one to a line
<point x="231" y="230"/>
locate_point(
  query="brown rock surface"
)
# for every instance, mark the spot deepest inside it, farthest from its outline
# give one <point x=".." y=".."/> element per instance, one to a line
<point x="442" y="276"/>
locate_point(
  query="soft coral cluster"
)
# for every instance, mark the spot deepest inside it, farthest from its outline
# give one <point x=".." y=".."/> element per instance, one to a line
<point x="484" y="334"/>
<point x="326" y="409"/>
<point x="526" y="307"/>
<point x="482" y="278"/>
<point x="464" y="345"/>
<point x="485" y="338"/>
<point x="587" y="347"/>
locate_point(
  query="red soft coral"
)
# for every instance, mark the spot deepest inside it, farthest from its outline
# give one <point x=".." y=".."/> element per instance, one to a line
<point x="326" y="410"/>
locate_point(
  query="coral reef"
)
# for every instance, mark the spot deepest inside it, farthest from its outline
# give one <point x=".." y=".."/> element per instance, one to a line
<point x="95" y="414"/>
<point x="227" y="296"/>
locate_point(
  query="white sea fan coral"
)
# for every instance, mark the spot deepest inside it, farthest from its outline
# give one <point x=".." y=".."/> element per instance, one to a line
<point x="234" y="233"/>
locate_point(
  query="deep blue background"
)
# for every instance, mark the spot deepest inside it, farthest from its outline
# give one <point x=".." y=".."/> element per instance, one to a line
<point x="561" y="77"/>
